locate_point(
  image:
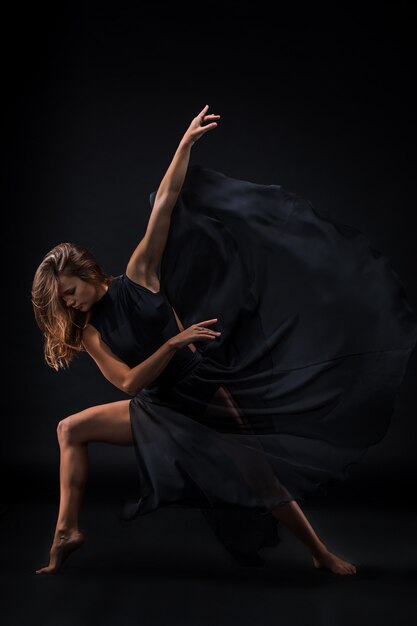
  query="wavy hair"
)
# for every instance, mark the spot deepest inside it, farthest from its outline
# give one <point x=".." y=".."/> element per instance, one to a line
<point x="62" y="327"/>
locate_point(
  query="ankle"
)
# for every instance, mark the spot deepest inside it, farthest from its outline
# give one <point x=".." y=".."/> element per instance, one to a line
<point x="319" y="550"/>
<point x="64" y="530"/>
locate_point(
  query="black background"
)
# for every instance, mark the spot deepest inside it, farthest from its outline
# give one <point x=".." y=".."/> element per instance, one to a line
<point x="97" y="96"/>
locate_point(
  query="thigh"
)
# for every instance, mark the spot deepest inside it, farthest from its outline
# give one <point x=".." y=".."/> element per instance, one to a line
<point x="224" y="405"/>
<point x="108" y="423"/>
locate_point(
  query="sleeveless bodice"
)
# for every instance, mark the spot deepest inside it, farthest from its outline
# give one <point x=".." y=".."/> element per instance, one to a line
<point x="134" y="322"/>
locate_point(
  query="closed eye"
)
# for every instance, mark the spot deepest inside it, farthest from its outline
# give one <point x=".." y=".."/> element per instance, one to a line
<point x="68" y="293"/>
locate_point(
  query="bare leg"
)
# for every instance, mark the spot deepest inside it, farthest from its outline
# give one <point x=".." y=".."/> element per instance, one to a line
<point x="293" y="518"/>
<point x="73" y="475"/>
<point x="290" y="514"/>
<point x="108" y="423"/>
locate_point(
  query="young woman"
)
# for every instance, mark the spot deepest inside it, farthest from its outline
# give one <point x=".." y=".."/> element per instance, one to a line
<point x="262" y="345"/>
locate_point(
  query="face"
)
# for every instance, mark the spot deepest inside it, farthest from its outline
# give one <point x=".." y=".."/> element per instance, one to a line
<point x="77" y="293"/>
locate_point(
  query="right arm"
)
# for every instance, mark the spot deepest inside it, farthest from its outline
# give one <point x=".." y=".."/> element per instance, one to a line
<point x="127" y="379"/>
<point x="132" y="380"/>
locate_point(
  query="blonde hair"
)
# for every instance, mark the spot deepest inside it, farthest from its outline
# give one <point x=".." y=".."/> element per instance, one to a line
<point x="63" y="326"/>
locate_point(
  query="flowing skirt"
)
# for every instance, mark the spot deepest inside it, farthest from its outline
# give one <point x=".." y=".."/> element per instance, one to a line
<point x="316" y="337"/>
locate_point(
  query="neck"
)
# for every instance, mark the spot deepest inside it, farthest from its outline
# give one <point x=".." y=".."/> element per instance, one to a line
<point x="103" y="291"/>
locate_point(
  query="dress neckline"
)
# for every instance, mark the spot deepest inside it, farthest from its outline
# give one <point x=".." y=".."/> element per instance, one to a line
<point x="106" y="294"/>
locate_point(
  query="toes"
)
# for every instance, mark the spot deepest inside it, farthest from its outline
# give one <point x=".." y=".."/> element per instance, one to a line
<point x="45" y="570"/>
<point x="338" y="566"/>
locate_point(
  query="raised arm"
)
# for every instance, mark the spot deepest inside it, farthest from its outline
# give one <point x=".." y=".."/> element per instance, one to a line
<point x="144" y="262"/>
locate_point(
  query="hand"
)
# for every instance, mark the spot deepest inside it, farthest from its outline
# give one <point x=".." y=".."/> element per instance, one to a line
<point x="196" y="128"/>
<point x="196" y="332"/>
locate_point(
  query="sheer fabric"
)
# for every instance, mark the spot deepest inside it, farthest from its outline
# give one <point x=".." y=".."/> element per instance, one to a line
<point x="316" y="336"/>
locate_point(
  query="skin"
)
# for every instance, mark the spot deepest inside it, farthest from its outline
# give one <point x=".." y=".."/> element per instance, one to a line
<point x="79" y="294"/>
<point x="110" y="423"/>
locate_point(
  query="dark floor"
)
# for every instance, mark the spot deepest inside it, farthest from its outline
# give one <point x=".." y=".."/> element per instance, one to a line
<point x="168" y="568"/>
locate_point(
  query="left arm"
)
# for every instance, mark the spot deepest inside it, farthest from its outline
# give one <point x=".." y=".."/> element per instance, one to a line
<point x="143" y="263"/>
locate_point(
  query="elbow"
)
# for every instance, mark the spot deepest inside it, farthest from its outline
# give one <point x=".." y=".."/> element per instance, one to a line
<point x="127" y="388"/>
<point x="166" y="199"/>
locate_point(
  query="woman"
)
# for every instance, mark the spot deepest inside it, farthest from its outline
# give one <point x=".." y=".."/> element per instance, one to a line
<point x="294" y="338"/>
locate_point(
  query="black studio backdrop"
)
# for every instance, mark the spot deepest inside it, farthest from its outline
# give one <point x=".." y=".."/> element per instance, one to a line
<point x="97" y="97"/>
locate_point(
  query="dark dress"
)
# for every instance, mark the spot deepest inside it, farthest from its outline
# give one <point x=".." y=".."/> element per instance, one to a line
<point x="316" y="337"/>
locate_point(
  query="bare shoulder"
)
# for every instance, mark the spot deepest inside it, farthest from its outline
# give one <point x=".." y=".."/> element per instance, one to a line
<point x="89" y="333"/>
<point x="112" y="368"/>
<point x="95" y="346"/>
<point x="143" y="276"/>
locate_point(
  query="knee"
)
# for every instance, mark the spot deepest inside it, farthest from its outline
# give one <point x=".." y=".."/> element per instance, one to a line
<point x="66" y="431"/>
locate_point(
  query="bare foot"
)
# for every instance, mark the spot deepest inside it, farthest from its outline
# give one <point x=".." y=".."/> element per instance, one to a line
<point x="65" y="542"/>
<point x="328" y="560"/>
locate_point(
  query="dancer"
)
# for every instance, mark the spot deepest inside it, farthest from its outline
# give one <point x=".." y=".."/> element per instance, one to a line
<point x="254" y="416"/>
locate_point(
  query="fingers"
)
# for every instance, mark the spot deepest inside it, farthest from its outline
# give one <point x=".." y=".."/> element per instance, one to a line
<point x="205" y="127"/>
<point x="207" y="331"/>
<point x="203" y="111"/>
<point x="212" y="321"/>
<point x="205" y="117"/>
